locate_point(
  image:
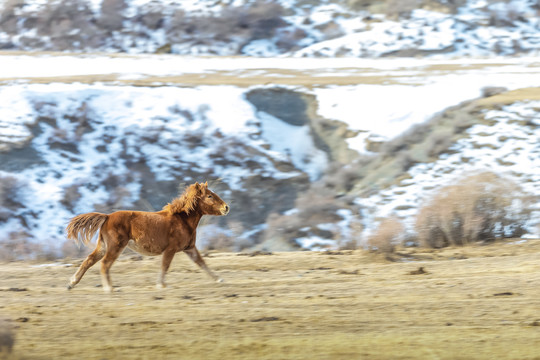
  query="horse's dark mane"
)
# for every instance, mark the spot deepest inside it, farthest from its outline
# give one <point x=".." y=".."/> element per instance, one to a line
<point x="185" y="202"/>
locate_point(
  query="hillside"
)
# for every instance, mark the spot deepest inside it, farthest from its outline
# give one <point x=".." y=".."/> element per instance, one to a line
<point x="307" y="151"/>
<point x="357" y="28"/>
<point x="475" y="302"/>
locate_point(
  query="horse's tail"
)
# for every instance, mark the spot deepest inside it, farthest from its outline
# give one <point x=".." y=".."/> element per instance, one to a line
<point x="83" y="227"/>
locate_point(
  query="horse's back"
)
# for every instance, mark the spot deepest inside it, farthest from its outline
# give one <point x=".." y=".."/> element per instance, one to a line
<point x="146" y="232"/>
<point x="132" y="223"/>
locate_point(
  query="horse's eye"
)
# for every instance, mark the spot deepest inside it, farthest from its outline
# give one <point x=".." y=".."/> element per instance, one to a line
<point x="210" y="196"/>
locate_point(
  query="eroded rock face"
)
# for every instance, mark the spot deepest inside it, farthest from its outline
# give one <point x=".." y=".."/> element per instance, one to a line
<point x="300" y="109"/>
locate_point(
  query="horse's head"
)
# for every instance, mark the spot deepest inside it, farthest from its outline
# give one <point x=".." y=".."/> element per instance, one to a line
<point x="209" y="202"/>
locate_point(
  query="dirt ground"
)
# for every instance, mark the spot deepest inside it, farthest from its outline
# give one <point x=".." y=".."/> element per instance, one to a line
<point x="476" y="302"/>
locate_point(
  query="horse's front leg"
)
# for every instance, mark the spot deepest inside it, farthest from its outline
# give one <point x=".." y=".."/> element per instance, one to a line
<point x="194" y="255"/>
<point x="166" y="260"/>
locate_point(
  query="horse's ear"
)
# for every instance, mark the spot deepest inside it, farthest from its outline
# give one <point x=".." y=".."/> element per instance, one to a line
<point x="198" y="188"/>
<point x="205" y="185"/>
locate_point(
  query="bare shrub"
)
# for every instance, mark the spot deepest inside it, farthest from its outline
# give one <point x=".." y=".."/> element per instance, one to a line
<point x="504" y="14"/>
<point x="213" y="237"/>
<point x="488" y="91"/>
<point x="112" y="17"/>
<point x="416" y="134"/>
<point x="10" y="196"/>
<point x="388" y="234"/>
<point x="439" y="142"/>
<point x="72" y="250"/>
<point x="481" y="207"/>
<point x="359" y="4"/>
<point x="317" y="214"/>
<point x="220" y="242"/>
<point x="152" y="16"/>
<point x="342" y="178"/>
<point x="69" y="24"/>
<point x="8" y="16"/>
<point x="17" y="245"/>
<point x="262" y="18"/>
<point x="258" y="20"/>
<point x="401" y="8"/>
<point x="71" y="196"/>
<point x="453" y="5"/>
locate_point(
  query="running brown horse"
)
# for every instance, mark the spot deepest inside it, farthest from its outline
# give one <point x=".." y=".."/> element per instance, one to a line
<point x="171" y="230"/>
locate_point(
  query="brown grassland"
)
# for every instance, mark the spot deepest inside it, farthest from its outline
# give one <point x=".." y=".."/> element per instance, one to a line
<point x="473" y="302"/>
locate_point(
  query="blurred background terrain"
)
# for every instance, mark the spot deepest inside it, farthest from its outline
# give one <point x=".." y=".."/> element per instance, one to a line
<point x="325" y="124"/>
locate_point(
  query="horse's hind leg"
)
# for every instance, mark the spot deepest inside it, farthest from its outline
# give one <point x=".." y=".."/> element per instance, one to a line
<point x="114" y="249"/>
<point x="90" y="260"/>
<point x="194" y="255"/>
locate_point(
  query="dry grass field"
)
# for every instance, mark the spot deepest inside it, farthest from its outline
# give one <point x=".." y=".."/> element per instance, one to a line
<point x="475" y="302"/>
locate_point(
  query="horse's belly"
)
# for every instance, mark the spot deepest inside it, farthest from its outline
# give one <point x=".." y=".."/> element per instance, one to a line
<point x="144" y="249"/>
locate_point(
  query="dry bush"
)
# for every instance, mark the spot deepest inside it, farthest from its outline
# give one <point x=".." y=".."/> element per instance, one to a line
<point x="389" y="233"/>
<point x="17" y="245"/>
<point x="69" y="24"/>
<point x="152" y="15"/>
<point x="342" y="178"/>
<point x="112" y="17"/>
<point x="416" y="134"/>
<point x="71" y="249"/>
<point x="505" y="15"/>
<point x="220" y="242"/>
<point x="396" y="8"/>
<point x="439" y="142"/>
<point x="316" y="214"/>
<point x="10" y="196"/>
<point x="262" y="18"/>
<point x="453" y="5"/>
<point x="212" y="237"/>
<point x="402" y="8"/>
<point x="71" y="196"/>
<point x="258" y="20"/>
<point x="481" y="207"/>
<point x="8" y="16"/>
<point x="488" y="91"/>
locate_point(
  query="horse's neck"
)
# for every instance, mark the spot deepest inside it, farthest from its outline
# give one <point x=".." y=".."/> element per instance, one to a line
<point x="193" y="220"/>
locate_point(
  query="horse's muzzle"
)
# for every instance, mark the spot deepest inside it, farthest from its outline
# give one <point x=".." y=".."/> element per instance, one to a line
<point x="225" y="210"/>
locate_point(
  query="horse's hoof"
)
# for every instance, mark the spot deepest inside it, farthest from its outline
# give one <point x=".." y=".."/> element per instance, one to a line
<point x="161" y="286"/>
<point x="69" y="286"/>
<point x="219" y="280"/>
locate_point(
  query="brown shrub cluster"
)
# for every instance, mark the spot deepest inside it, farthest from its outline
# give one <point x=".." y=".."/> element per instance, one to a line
<point x="389" y="233"/>
<point x="482" y="207"/>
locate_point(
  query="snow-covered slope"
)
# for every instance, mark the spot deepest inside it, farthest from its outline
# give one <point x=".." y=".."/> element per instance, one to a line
<point x="70" y="148"/>
<point x="466" y="33"/>
<point x="283" y="27"/>
<point x="508" y="144"/>
<point x="95" y="146"/>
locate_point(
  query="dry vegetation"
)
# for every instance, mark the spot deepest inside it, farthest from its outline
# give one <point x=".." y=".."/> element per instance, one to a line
<point x="389" y="233"/>
<point x="482" y="207"/>
<point x="472" y="302"/>
<point x="72" y="25"/>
